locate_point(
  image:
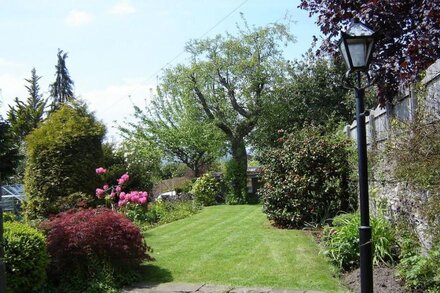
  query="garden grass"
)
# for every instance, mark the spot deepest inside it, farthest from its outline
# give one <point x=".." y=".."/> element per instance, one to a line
<point x="236" y="245"/>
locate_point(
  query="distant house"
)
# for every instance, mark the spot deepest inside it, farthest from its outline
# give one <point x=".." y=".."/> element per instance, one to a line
<point x="253" y="179"/>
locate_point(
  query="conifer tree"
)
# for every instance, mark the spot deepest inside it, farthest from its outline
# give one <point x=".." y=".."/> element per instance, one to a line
<point x="61" y="91"/>
<point x="25" y="116"/>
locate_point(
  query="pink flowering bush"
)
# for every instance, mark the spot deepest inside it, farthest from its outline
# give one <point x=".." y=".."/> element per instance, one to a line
<point x="115" y="193"/>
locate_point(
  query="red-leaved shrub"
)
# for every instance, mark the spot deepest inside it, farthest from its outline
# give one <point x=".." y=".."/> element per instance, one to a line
<point x="78" y="239"/>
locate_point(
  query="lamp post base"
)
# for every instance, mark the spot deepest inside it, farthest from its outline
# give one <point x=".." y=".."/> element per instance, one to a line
<point x="366" y="267"/>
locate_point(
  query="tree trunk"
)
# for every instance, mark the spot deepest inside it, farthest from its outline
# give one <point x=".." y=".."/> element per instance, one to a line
<point x="238" y="170"/>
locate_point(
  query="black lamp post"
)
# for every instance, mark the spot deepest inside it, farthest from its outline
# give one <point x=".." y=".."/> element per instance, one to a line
<point x="356" y="46"/>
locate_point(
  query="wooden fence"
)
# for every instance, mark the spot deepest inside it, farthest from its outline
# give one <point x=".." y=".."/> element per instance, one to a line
<point x="405" y="108"/>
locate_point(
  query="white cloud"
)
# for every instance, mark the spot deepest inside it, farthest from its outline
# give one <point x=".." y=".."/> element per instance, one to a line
<point x="12" y="75"/>
<point x="114" y="104"/>
<point x="122" y="8"/>
<point x="78" y="18"/>
<point x="11" y="86"/>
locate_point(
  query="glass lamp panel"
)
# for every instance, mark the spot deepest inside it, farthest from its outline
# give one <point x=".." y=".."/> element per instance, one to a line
<point x="370" y="45"/>
<point x="358" y="51"/>
<point x="343" y="49"/>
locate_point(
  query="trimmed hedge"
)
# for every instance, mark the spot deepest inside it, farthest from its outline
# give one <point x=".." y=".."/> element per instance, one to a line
<point x="26" y="257"/>
<point x="62" y="156"/>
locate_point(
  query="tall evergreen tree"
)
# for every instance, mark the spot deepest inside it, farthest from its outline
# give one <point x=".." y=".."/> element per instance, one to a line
<point x="25" y="116"/>
<point x="9" y="150"/>
<point x="61" y="90"/>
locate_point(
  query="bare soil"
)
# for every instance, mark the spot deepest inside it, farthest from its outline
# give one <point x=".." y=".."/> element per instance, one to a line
<point x="384" y="281"/>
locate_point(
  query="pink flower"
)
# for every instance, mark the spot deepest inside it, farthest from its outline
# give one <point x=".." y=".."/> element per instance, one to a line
<point x="100" y="170"/>
<point x="142" y="200"/>
<point x="105" y="187"/>
<point x="118" y="188"/>
<point x="112" y="195"/>
<point x="122" y="195"/>
<point x="124" y="178"/>
<point x="122" y="202"/>
<point x="99" y="193"/>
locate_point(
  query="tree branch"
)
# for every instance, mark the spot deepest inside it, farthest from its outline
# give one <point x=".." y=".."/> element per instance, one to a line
<point x="202" y="100"/>
<point x="231" y="95"/>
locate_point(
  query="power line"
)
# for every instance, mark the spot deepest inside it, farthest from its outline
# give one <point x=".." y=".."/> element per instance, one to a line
<point x="178" y="55"/>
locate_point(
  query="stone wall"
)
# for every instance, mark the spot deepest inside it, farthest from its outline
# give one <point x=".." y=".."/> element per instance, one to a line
<point x="387" y="193"/>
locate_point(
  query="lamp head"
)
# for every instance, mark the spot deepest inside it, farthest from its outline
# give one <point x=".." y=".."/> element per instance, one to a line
<point x="356" y="46"/>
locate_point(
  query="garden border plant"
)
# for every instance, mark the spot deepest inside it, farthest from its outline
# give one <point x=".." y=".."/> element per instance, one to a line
<point x="307" y="178"/>
<point x="108" y="252"/>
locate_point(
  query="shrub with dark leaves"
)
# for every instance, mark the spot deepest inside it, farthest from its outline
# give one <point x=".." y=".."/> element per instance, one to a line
<point x="306" y="179"/>
<point x="80" y="242"/>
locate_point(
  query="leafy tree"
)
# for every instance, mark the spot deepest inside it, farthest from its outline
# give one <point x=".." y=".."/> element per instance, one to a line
<point x="310" y="95"/>
<point x="9" y="150"/>
<point x="409" y="35"/>
<point x="179" y="129"/>
<point x="229" y="77"/>
<point x="61" y="90"/>
<point x="25" y="116"/>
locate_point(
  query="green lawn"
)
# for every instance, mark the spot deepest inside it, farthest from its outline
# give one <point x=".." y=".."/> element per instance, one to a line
<point x="235" y="245"/>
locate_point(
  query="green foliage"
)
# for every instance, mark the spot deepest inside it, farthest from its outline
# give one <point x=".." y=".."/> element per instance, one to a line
<point x="185" y="187"/>
<point x="431" y="211"/>
<point x="24" y="117"/>
<point x="9" y="150"/>
<point x="9" y="217"/>
<point x="417" y="268"/>
<point x="130" y="157"/>
<point x="342" y="241"/>
<point x="62" y="155"/>
<point x="416" y="147"/>
<point x="229" y="79"/>
<point x="26" y="257"/>
<point x="61" y="90"/>
<point x="178" y="128"/>
<point x="206" y="190"/>
<point x="311" y="95"/>
<point x="415" y="150"/>
<point x="306" y="178"/>
<point x="162" y="212"/>
<point x="235" y="176"/>
<point x="421" y="272"/>
<point x="171" y="169"/>
<point x="74" y="200"/>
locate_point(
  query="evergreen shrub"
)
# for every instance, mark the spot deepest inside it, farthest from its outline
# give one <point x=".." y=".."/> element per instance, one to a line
<point x="26" y="257"/>
<point x="62" y="155"/>
<point x="306" y="180"/>
<point x="207" y="190"/>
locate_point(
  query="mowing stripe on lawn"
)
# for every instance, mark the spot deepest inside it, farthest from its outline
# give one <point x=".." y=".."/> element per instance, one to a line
<point x="235" y="245"/>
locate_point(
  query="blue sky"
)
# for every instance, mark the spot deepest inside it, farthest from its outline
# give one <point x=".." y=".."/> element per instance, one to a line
<point x="117" y="48"/>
